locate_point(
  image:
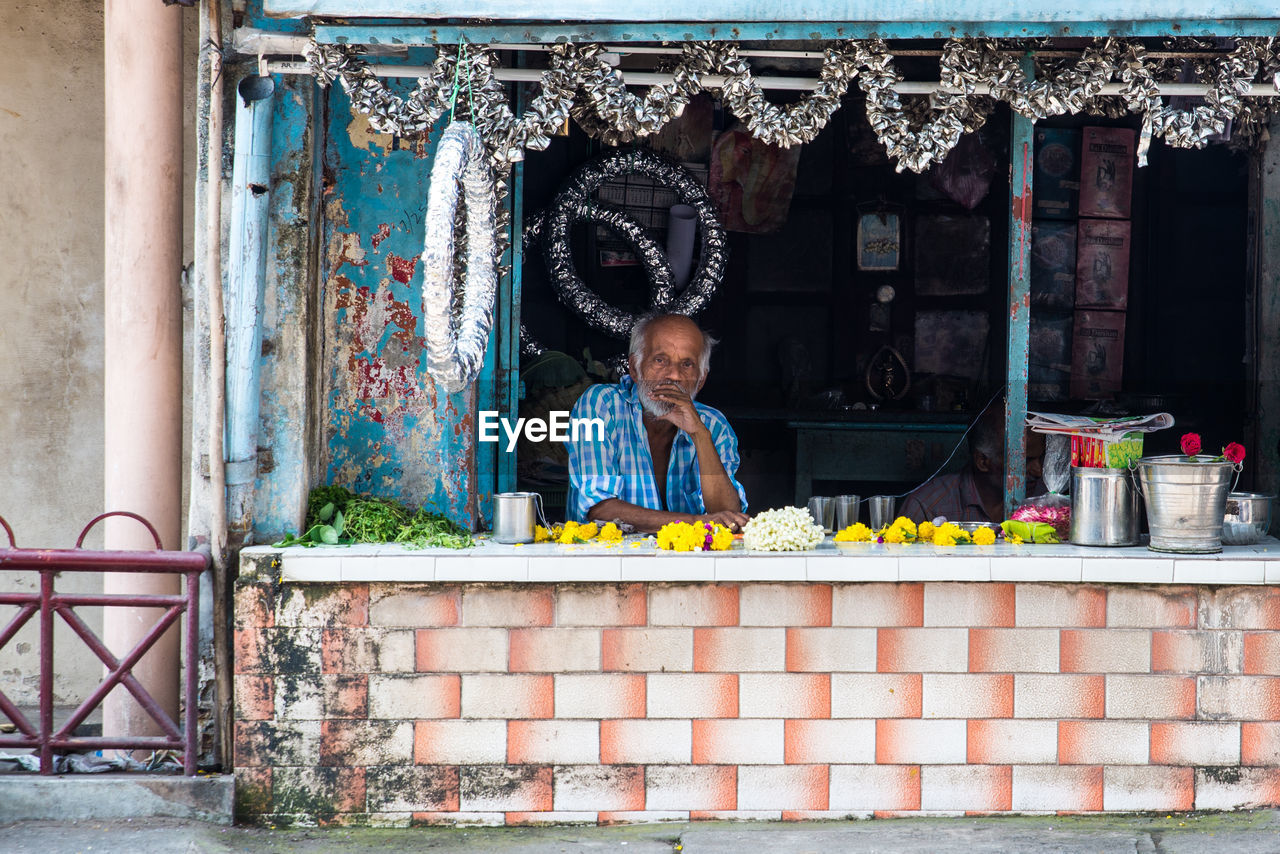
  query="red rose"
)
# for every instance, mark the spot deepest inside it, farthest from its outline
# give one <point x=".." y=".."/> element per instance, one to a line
<point x="1234" y="452"/>
<point x="1191" y="444"/>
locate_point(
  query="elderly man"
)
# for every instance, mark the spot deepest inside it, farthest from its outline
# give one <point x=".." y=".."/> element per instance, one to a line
<point x="976" y="492"/>
<point x="664" y="457"/>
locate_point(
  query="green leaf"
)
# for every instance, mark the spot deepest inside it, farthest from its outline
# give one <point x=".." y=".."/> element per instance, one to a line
<point x="326" y="512"/>
<point x="338" y="522"/>
<point x="328" y="535"/>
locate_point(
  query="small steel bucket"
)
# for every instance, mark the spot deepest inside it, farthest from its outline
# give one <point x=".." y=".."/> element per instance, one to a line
<point x="1248" y="518"/>
<point x="514" y="515"/>
<point x="1186" y="502"/>
<point x="1104" y="507"/>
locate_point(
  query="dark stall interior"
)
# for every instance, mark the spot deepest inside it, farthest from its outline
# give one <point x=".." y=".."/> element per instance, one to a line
<point x="862" y="315"/>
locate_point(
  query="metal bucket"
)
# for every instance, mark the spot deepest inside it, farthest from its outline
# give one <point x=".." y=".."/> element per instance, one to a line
<point x="1248" y="518"/>
<point x="1104" y="507"/>
<point x="514" y="515"/>
<point x="1186" y="502"/>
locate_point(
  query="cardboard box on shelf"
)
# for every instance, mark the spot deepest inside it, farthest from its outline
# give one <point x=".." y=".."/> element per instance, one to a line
<point x="1106" y="172"/>
<point x="1053" y="264"/>
<point x="1097" y="354"/>
<point x="1102" y="264"/>
<point x="1057" y="173"/>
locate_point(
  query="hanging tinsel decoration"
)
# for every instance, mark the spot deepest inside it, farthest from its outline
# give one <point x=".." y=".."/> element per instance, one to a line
<point x="575" y="203"/>
<point x="915" y="148"/>
<point x="458" y="320"/>
<point x="579" y="82"/>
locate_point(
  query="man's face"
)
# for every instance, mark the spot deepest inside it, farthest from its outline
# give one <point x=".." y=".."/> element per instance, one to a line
<point x="671" y="356"/>
<point x="994" y="465"/>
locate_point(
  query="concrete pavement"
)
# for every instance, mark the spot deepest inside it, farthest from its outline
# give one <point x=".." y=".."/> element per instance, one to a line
<point x="1256" y="832"/>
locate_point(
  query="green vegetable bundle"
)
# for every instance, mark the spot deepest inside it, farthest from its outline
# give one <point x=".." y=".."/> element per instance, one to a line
<point x="337" y="516"/>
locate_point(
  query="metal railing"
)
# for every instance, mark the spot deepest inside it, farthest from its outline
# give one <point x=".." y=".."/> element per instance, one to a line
<point x="48" y="603"/>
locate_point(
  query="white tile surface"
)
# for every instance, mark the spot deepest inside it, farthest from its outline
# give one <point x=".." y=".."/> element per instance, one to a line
<point x="1144" y="570"/>
<point x="1218" y="572"/>
<point x="387" y="566"/>
<point x="753" y="567"/>
<point x="576" y="568"/>
<point x="668" y="567"/>
<point x="1036" y="568"/>
<point x="943" y="566"/>
<point x="482" y="567"/>
<point x="310" y="567"/>
<point x="550" y="562"/>
<point x="840" y="567"/>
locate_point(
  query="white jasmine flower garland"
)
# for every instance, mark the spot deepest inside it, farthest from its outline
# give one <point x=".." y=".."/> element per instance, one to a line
<point x="785" y="529"/>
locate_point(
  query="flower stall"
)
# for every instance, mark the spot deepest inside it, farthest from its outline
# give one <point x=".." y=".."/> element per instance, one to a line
<point x="903" y="233"/>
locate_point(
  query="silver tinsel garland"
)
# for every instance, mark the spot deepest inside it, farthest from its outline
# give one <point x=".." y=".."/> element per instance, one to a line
<point x="457" y="323"/>
<point x="575" y="203"/>
<point x="580" y="83"/>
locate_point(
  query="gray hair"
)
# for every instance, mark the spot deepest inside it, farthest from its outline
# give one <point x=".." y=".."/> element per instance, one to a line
<point x="641" y="327"/>
<point x="987" y="433"/>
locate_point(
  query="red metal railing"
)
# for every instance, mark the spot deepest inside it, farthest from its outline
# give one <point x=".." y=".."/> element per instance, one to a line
<point x="48" y="603"/>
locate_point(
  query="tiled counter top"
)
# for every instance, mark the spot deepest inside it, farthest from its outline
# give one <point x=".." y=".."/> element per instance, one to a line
<point x="639" y="561"/>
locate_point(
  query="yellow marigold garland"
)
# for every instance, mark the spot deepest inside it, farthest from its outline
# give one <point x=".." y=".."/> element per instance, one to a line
<point x="694" y="536"/>
<point x="574" y="533"/>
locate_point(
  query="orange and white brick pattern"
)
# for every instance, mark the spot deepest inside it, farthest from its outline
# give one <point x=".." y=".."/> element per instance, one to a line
<point x="439" y="703"/>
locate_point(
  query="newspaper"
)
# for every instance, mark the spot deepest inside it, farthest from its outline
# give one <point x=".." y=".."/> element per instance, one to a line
<point x="1100" y="428"/>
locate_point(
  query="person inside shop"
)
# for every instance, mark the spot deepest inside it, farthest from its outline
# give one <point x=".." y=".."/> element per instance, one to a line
<point x="652" y="424"/>
<point x="976" y="492"/>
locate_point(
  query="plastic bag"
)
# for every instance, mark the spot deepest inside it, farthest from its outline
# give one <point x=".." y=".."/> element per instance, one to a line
<point x="1056" y="471"/>
<point x="1051" y="508"/>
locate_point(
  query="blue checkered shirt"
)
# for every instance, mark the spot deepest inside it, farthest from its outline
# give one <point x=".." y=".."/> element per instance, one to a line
<point x="621" y="466"/>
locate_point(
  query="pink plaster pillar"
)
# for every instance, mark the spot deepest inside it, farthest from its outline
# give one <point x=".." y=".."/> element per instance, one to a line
<point x="143" y="318"/>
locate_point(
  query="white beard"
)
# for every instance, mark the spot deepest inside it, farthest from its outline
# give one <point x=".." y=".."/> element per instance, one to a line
<point x="653" y="406"/>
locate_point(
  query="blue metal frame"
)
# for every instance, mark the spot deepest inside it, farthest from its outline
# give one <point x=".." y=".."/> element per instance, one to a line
<point x="1021" y="159"/>
<point x="621" y="33"/>
<point x="749" y="20"/>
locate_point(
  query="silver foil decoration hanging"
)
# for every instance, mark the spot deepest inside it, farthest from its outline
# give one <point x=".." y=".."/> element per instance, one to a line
<point x="576" y="203"/>
<point x="916" y="133"/>
<point x="457" y="324"/>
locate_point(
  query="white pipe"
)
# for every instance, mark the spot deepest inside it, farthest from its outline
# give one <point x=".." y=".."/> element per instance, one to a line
<point x="254" y="42"/>
<point x="648" y="78"/>
<point x="247" y="266"/>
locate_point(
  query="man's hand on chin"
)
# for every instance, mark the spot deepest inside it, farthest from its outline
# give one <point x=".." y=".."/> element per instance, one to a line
<point x="683" y="414"/>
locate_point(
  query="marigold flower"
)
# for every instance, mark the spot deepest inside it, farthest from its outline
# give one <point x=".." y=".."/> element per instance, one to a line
<point x="906" y="525"/>
<point x="855" y="533"/>
<point x="894" y="534"/>
<point x="984" y="537"/>
<point x="1190" y="444"/>
<point x="925" y="531"/>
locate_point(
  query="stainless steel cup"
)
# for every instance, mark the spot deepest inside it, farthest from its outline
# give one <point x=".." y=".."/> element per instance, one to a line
<point x="1104" y="507"/>
<point x="846" y="511"/>
<point x="881" y="508"/>
<point x="514" y="515"/>
<point x="823" y="510"/>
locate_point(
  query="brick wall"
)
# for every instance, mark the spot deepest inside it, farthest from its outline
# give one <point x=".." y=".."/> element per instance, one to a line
<point x="423" y="703"/>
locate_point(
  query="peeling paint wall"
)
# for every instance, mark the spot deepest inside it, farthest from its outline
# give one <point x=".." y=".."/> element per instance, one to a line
<point x="386" y="431"/>
<point x="286" y="411"/>
<point x="51" y="325"/>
